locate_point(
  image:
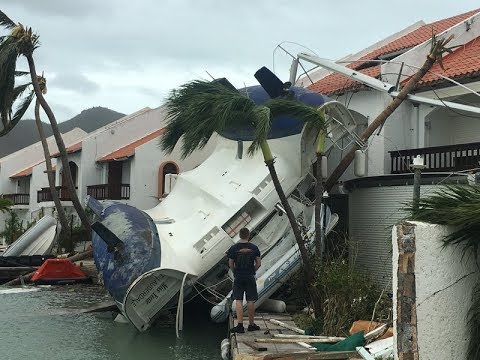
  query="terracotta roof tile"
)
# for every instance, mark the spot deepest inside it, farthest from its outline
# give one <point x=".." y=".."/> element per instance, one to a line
<point x="463" y="62"/>
<point x="336" y="83"/>
<point x="129" y="150"/>
<point x="71" y="149"/>
<point x="25" y="172"/>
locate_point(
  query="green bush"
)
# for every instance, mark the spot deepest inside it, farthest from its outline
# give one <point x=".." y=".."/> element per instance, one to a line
<point x="347" y="295"/>
<point x="14" y="227"/>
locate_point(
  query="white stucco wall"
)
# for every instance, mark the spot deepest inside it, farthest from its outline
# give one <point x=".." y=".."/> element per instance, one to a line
<point x="145" y="166"/>
<point x="31" y="155"/>
<point x="443" y="290"/>
<point x="110" y="138"/>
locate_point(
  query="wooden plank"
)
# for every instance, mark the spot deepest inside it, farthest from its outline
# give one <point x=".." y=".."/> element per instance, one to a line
<point x="376" y="332"/>
<point x="292" y="340"/>
<point x="301" y="337"/>
<point x="332" y="355"/>
<point x="305" y="345"/>
<point x="290" y="327"/>
<point x="255" y="346"/>
<point x="101" y="307"/>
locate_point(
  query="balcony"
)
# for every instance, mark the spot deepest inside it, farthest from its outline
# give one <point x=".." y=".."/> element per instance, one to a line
<point x="109" y="191"/>
<point x="46" y="195"/>
<point x="18" y="199"/>
<point x="438" y="158"/>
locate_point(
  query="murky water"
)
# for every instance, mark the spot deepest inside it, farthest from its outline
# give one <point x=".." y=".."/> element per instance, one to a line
<point x="45" y="324"/>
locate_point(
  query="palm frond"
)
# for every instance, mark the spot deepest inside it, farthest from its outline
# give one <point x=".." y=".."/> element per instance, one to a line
<point x="5" y="21"/>
<point x="19" y="112"/>
<point x="296" y="109"/>
<point x="455" y="205"/>
<point x="22" y="108"/>
<point x="198" y="109"/>
<point x="263" y="122"/>
<point x="7" y="86"/>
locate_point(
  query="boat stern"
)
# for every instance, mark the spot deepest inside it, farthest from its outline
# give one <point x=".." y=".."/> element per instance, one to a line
<point x="151" y="293"/>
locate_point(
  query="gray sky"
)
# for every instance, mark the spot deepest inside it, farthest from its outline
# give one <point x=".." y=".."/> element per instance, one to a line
<point x="126" y="55"/>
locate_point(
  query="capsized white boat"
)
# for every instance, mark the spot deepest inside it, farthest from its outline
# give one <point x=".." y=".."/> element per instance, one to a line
<point x="37" y="240"/>
<point x="149" y="259"/>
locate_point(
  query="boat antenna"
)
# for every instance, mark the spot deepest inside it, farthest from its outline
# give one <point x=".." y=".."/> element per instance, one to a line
<point x="209" y="75"/>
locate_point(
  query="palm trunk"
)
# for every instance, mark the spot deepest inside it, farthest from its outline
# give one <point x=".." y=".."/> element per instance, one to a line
<point x="307" y="265"/>
<point x="319" y="236"/>
<point x="51" y="176"/>
<point x="61" y="146"/>
<point x="379" y="120"/>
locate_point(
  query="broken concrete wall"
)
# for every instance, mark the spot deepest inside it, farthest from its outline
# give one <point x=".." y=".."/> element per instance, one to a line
<point x="432" y="288"/>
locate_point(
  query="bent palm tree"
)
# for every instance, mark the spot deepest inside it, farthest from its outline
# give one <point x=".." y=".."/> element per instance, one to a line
<point x="9" y="121"/>
<point x="199" y="109"/>
<point x="22" y="41"/>
<point x="62" y="216"/>
<point x="438" y="48"/>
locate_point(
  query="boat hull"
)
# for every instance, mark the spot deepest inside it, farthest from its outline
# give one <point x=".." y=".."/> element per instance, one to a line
<point x="139" y="253"/>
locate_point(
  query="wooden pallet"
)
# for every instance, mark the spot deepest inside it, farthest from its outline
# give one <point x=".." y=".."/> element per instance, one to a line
<point x="263" y="345"/>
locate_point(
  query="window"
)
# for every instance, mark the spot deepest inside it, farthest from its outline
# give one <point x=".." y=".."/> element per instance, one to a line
<point x="168" y="167"/>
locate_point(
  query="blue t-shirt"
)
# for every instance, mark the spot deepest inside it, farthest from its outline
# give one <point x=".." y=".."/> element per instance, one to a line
<point x="243" y="255"/>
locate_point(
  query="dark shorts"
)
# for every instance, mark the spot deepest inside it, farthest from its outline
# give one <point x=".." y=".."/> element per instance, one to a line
<point x="245" y="285"/>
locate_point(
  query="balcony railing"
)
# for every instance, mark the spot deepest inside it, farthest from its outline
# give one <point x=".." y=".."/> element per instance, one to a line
<point x="109" y="191"/>
<point x="438" y="158"/>
<point x="18" y="199"/>
<point x="46" y="195"/>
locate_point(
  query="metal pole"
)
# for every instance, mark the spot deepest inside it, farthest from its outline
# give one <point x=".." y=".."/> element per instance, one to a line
<point x="417" y="175"/>
<point x="293" y="71"/>
<point x="417" y="167"/>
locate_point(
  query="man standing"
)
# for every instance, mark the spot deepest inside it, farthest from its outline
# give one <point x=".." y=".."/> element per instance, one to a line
<point x="244" y="260"/>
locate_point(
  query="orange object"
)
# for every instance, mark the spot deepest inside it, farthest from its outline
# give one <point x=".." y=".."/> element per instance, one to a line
<point x="59" y="271"/>
<point x="366" y="326"/>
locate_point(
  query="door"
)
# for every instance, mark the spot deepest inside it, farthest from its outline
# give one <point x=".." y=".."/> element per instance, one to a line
<point x="114" y="180"/>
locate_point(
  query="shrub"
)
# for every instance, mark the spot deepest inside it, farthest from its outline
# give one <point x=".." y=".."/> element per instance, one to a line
<point x="347" y="295"/>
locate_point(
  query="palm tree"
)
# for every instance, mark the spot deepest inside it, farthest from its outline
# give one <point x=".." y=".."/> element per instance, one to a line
<point x="9" y="121"/>
<point x="438" y="48"/>
<point x="198" y="109"/>
<point x="458" y="206"/>
<point x="62" y="216"/>
<point x="22" y="41"/>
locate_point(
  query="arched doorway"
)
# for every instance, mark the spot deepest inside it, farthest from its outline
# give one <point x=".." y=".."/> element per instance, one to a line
<point x="168" y="167"/>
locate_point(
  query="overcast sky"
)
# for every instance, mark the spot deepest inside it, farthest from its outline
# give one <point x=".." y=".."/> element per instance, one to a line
<point x="126" y="55"/>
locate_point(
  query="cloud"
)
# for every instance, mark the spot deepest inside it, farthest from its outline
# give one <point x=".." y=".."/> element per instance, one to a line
<point x="69" y="9"/>
<point x="127" y="55"/>
<point x="74" y="82"/>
